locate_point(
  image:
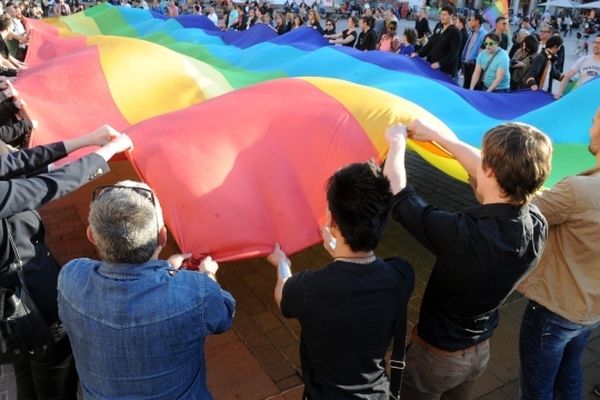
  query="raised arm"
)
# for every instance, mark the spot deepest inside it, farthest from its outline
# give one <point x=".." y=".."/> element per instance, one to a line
<point x="394" y="168"/>
<point x="279" y="259"/>
<point x="468" y="156"/>
<point x="21" y="194"/>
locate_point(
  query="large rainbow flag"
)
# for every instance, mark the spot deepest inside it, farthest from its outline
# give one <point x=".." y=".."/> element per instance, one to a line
<point x="238" y="132"/>
<point x="497" y="9"/>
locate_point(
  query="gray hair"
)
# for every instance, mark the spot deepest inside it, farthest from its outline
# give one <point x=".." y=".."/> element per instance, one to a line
<point x="125" y="224"/>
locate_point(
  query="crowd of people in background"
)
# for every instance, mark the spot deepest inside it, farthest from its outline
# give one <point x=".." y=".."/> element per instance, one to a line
<point x="474" y="53"/>
<point x="464" y="46"/>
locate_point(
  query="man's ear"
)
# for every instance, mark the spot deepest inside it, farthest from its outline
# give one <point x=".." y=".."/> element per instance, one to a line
<point x="90" y="235"/>
<point x="488" y="172"/>
<point x="162" y="236"/>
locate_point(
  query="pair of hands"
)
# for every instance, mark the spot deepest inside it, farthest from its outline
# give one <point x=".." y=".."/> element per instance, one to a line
<point x="108" y="138"/>
<point x="278" y="255"/>
<point x="208" y="265"/>
<point x="417" y="130"/>
<point x="11" y="93"/>
<point x="435" y="65"/>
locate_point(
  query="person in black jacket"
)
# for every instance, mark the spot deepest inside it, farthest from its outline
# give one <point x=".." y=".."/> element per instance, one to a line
<point x="27" y="182"/>
<point x="422" y="28"/>
<point x="442" y="48"/>
<point x="367" y="39"/>
<point x="543" y="66"/>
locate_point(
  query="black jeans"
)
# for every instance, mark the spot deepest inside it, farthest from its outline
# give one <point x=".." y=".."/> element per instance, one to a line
<point x="52" y="377"/>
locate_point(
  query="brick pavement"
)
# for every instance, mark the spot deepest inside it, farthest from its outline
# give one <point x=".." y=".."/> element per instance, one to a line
<point x="258" y="358"/>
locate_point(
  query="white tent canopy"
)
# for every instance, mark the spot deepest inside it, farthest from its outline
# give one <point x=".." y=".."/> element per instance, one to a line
<point x="593" y="4"/>
<point x="559" y="3"/>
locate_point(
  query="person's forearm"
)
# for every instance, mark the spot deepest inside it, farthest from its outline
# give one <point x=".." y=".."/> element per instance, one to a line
<point x="283" y="274"/>
<point x="474" y="79"/>
<point x="394" y="168"/>
<point x="468" y="156"/>
<point x="494" y="84"/>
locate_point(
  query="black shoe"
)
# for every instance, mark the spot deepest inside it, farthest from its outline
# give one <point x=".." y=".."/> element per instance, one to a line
<point x="596" y="390"/>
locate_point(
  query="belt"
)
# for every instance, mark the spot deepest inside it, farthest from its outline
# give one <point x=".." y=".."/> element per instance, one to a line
<point x="415" y="338"/>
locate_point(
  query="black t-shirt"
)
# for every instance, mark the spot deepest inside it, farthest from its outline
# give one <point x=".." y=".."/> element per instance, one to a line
<point x="346" y="33"/>
<point x="347" y="314"/>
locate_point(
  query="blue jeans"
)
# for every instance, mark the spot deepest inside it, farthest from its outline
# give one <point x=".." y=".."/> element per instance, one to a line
<point x="550" y="348"/>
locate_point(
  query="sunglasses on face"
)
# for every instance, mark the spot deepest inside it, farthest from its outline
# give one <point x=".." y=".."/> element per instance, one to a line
<point x="490" y="44"/>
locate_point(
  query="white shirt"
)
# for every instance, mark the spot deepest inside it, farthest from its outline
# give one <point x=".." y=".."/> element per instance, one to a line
<point x="587" y="68"/>
<point x="213" y="17"/>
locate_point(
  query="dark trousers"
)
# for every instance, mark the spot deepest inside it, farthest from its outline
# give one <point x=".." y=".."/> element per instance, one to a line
<point x="49" y="378"/>
<point x="468" y="69"/>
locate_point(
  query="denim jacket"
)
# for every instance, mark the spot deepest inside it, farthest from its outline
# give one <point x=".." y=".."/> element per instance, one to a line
<point x="138" y="330"/>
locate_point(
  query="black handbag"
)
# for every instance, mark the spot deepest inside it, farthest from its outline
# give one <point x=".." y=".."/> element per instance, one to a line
<point x="24" y="333"/>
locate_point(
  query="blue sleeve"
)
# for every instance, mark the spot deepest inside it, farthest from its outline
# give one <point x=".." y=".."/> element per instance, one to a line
<point x="219" y="308"/>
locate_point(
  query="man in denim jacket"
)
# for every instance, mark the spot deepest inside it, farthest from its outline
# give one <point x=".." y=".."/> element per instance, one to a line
<point x="137" y="325"/>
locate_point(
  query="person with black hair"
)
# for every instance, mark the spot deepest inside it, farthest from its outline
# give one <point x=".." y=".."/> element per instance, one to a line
<point x="492" y="68"/>
<point x="442" y="47"/>
<point x="367" y="38"/>
<point x="348" y="309"/>
<point x="521" y="61"/>
<point x="472" y="48"/>
<point x="543" y="68"/>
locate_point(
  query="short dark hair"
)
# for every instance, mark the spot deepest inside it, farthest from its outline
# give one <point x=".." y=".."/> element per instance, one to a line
<point x="531" y="44"/>
<point x="411" y="35"/>
<point x="500" y="18"/>
<point x="461" y="18"/>
<point x="492" y="36"/>
<point x="448" y="9"/>
<point x="519" y="155"/>
<point x="368" y="20"/>
<point x="554" y="41"/>
<point x="478" y="18"/>
<point x="359" y="198"/>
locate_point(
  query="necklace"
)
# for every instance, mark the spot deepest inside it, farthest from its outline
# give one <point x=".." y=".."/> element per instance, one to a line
<point x="357" y="260"/>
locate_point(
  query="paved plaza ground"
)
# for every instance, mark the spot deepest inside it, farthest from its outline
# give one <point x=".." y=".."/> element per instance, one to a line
<point x="258" y="358"/>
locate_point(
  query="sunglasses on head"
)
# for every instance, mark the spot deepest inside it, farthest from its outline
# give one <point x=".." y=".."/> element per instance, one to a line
<point x="145" y="193"/>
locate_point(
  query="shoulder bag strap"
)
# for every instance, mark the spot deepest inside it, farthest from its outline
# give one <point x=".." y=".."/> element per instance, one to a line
<point x="17" y="264"/>
<point x="397" y="360"/>
<point x="487" y="65"/>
